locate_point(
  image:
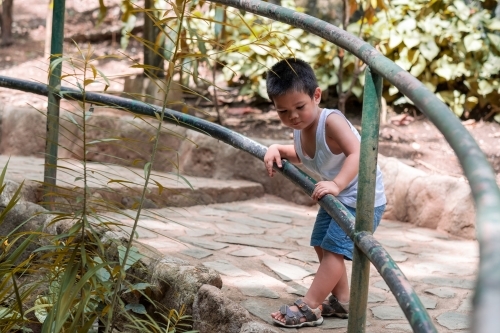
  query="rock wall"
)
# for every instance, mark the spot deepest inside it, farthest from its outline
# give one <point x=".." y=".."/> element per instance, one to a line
<point x="433" y="201"/>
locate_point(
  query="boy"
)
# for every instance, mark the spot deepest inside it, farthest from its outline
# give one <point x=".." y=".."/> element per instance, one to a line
<point x="326" y="143"/>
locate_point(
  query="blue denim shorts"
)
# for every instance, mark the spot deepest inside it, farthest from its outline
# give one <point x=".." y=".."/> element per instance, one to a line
<point x="329" y="236"/>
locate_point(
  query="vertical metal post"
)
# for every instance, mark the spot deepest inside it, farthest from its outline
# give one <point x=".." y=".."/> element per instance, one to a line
<point x="370" y="123"/>
<point x="51" y="141"/>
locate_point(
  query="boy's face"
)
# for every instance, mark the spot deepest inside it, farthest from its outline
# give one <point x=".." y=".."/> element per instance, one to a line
<point x="296" y="109"/>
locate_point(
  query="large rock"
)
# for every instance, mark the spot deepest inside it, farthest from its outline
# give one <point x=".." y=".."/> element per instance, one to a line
<point x="23" y="131"/>
<point x="114" y="136"/>
<point x="128" y="140"/>
<point x="204" y="156"/>
<point x="179" y="282"/>
<point x="24" y="217"/>
<point x="431" y="201"/>
<point x="215" y="313"/>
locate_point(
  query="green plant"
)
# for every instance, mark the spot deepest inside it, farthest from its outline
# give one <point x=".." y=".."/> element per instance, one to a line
<point x="452" y="47"/>
<point x="14" y="287"/>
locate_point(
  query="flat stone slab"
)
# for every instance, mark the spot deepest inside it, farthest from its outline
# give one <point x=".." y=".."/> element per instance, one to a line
<point x="203" y="243"/>
<point x="333" y="323"/>
<point x="272" y="218"/>
<point x="235" y="208"/>
<point x="212" y="212"/>
<point x="431" y="267"/>
<point x="400" y="327"/>
<point x="260" y="309"/>
<point x="450" y="282"/>
<point x="453" y="320"/>
<point x="239" y="229"/>
<point x="247" y="252"/>
<point x="429" y="233"/>
<point x="253" y="242"/>
<point x="297" y="290"/>
<point x="286" y="213"/>
<point x="252" y="222"/>
<point x="200" y="232"/>
<point x="226" y="268"/>
<point x="382" y="285"/>
<point x="428" y="302"/>
<point x="386" y="312"/>
<point x="179" y="191"/>
<point x="274" y="238"/>
<point x="307" y="256"/>
<point x="303" y="242"/>
<point x="466" y="305"/>
<point x="248" y="287"/>
<point x="196" y="253"/>
<point x="376" y="298"/>
<point x="298" y="232"/>
<point x="139" y="231"/>
<point x="392" y="243"/>
<point x="442" y="292"/>
<point x="417" y="237"/>
<point x="397" y="256"/>
<point x="286" y="272"/>
<point x="391" y="224"/>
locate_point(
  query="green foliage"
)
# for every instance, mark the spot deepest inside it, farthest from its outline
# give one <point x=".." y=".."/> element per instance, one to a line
<point x="452" y="47"/>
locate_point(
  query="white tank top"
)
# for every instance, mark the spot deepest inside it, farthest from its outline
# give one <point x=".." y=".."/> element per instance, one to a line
<point x="328" y="165"/>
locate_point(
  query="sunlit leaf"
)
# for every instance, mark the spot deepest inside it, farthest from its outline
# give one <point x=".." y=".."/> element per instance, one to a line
<point x="473" y="42"/>
<point x="137" y="308"/>
<point x="219" y="16"/>
<point x="494" y="40"/>
<point x="133" y="256"/>
<point x="429" y="49"/>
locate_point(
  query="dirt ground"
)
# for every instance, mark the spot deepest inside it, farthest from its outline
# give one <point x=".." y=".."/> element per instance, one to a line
<point x="408" y="135"/>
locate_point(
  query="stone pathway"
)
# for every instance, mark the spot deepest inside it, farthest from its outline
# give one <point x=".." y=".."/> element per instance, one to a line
<point x="261" y="249"/>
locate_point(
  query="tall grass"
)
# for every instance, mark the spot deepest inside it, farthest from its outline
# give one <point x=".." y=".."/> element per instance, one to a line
<point x="76" y="280"/>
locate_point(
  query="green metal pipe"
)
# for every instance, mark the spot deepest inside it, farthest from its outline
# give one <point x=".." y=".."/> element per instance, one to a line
<point x="474" y="163"/>
<point x="397" y="282"/>
<point x="370" y="124"/>
<point x="52" y="136"/>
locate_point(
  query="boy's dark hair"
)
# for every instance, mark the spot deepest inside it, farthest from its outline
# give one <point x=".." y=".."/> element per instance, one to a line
<point x="290" y="74"/>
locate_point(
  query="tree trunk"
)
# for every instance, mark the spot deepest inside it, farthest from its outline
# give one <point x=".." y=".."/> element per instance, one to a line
<point x="151" y="31"/>
<point x="48" y="30"/>
<point x="7" y="22"/>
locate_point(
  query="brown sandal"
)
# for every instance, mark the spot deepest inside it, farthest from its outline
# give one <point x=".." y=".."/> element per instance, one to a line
<point x="292" y="318"/>
<point x="335" y="309"/>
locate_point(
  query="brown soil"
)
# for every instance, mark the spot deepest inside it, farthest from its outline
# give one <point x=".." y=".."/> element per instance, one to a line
<point x="414" y="140"/>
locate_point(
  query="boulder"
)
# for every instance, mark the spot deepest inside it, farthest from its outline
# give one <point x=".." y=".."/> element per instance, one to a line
<point x="204" y="156"/>
<point x="179" y="282"/>
<point x="215" y="313"/>
<point x="432" y="201"/>
<point x="23" y="131"/>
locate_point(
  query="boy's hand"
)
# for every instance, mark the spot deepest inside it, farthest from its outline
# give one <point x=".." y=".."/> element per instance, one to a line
<point x="272" y="155"/>
<point x="323" y="188"/>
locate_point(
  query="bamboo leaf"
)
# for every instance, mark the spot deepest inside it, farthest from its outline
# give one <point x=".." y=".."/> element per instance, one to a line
<point x="137" y="308"/>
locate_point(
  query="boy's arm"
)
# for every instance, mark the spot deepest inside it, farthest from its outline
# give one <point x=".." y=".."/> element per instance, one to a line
<point x="340" y="136"/>
<point x="338" y="130"/>
<point x="275" y="153"/>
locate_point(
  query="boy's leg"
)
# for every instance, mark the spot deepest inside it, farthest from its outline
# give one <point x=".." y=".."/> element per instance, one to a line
<point x="341" y="289"/>
<point x="330" y="271"/>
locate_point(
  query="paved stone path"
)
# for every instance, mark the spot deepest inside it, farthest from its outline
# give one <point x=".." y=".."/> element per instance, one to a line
<point x="261" y="249"/>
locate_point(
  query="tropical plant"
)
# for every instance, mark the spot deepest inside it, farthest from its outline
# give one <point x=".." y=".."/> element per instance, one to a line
<point x="88" y="281"/>
<point x="452" y="47"/>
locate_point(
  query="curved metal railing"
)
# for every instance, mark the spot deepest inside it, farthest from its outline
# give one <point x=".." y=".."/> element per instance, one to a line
<point x="393" y="276"/>
<point x="476" y="168"/>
